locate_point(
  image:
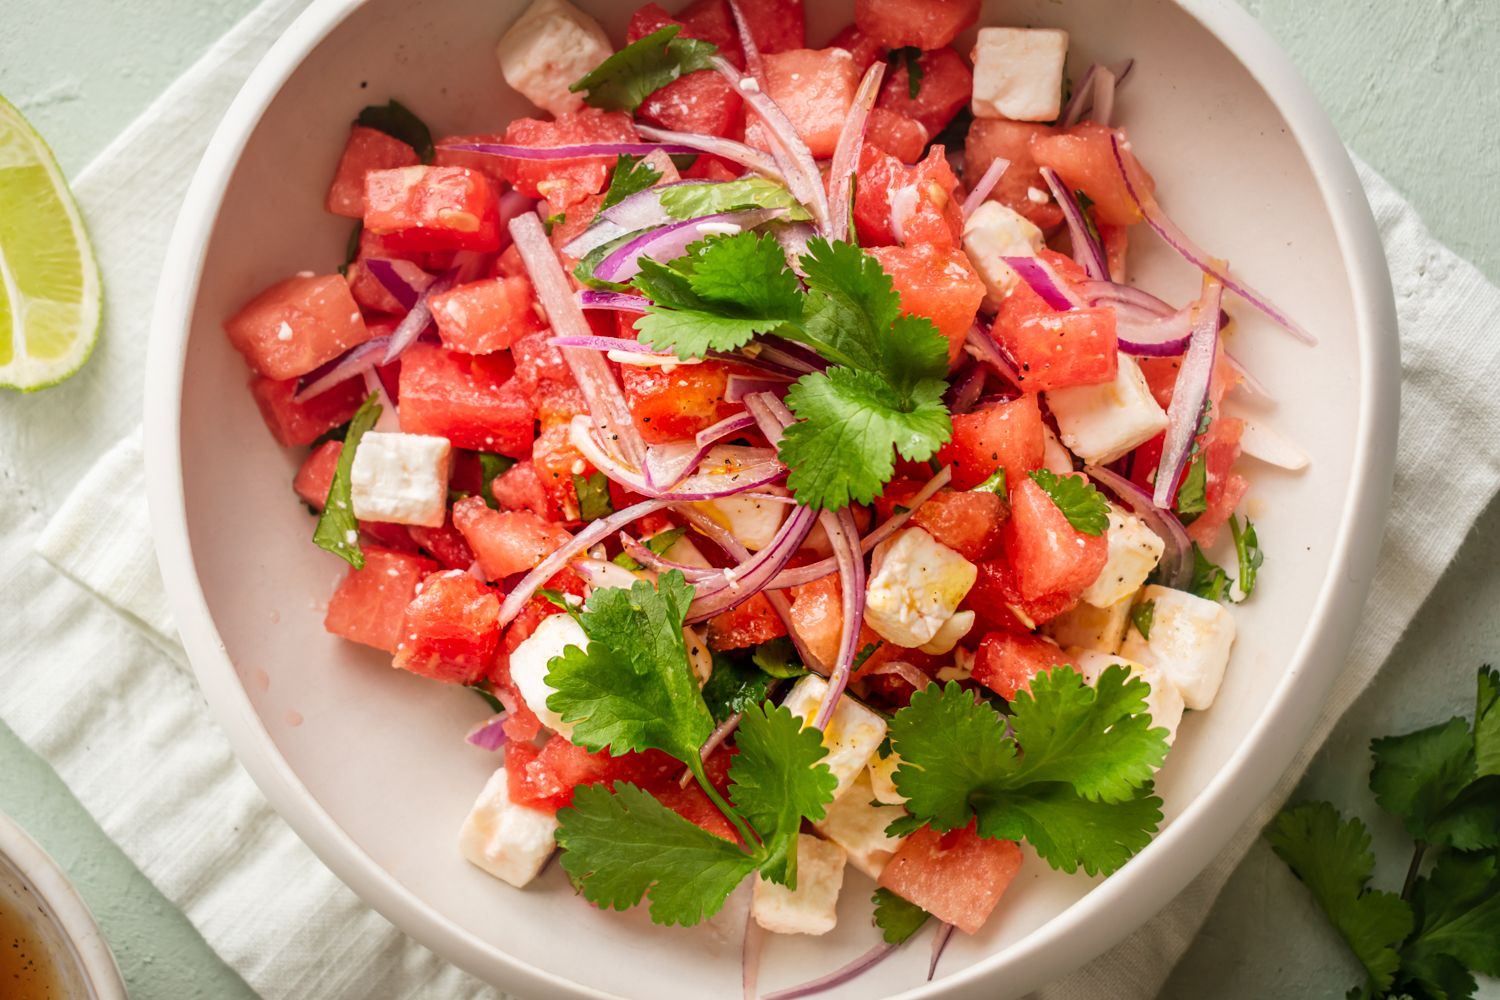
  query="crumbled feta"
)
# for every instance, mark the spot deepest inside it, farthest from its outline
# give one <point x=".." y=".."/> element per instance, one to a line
<point x="510" y="841"/>
<point x="883" y="779"/>
<point x="548" y="47"/>
<point x="1088" y="627"/>
<point x="1018" y="73"/>
<point x="528" y="665"/>
<point x="1189" y="644"/>
<point x="753" y="520"/>
<point x="916" y="584"/>
<point x="991" y="233"/>
<point x="1134" y="551"/>
<point x="401" y="478"/>
<point x="812" y="907"/>
<point x="1101" y="422"/>
<point x="857" y="823"/>
<point x="1055" y="457"/>
<point x="952" y="630"/>
<point x="852" y="736"/>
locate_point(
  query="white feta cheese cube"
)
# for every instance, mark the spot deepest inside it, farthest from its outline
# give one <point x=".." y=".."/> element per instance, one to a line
<point x="1055" y="458"/>
<point x="916" y="584"/>
<point x="947" y="636"/>
<point x="753" y="520"/>
<point x="1164" y="703"/>
<point x="1099" y="423"/>
<point x="1134" y="551"/>
<point x="528" y="665"/>
<point x="994" y="232"/>
<point x="549" y="46"/>
<point x="401" y="478"/>
<point x="811" y="908"/>
<point x="1088" y="627"/>
<point x="852" y="736"/>
<point x="1189" y="644"/>
<point x="1018" y="73"/>
<point x="510" y="841"/>
<point x="883" y="779"/>
<point x="857" y="823"/>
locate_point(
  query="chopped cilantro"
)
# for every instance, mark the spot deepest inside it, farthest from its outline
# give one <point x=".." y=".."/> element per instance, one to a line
<point x="485" y="696"/>
<point x="593" y="496"/>
<point x="1080" y="502"/>
<point x="1209" y="579"/>
<point x="735" y="684"/>
<point x="868" y="650"/>
<point x="897" y="919"/>
<point x="490" y="466"/>
<point x="584" y="271"/>
<point x="778" y="657"/>
<point x="1080" y="793"/>
<point x="397" y="121"/>
<point x="658" y="544"/>
<point x="995" y="484"/>
<point x="625" y="79"/>
<point x="911" y="57"/>
<point x="554" y="220"/>
<point x="332" y="434"/>
<point x="338" y="528"/>
<point x="1085" y="203"/>
<point x="1141" y="616"/>
<point x="692" y="201"/>
<point x="1192" y="496"/>
<point x="351" y="247"/>
<point x="1247" y="548"/>
<point x="630" y="175"/>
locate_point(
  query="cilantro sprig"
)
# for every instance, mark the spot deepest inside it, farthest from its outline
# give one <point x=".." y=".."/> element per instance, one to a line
<point x="631" y="174"/>
<point x="1443" y="782"/>
<point x="632" y="689"/>
<point x="626" y="78"/>
<point x="1074" y="779"/>
<point x="338" y="528"/>
<point x="1211" y="581"/>
<point x="897" y="918"/>
<point x="1080" y="502"/>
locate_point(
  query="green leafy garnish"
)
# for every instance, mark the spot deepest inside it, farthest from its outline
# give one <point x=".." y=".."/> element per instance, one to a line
<point x="776" y="782"/>
<point x="593" y="496"/>
<point x="693" y="201"/>
<point x="397" y="121"/>
<point x="631" y="174"/>
<point x="1192" y="495"/>
<point x="778" y="657"/>
<point x="490" y="466"/>
<point x="552" y="221"/>
<point x="1247" y="548"/>
<point x="1141" y="616"/>
<point x="911" y="57"/>
<point x="1083" y="505"/>
<point x="338" y="528"/>
<point x="658" y="544"/>
<point x="625" y="79"/>
<point x="734" y="686"/>
<point x="1209" y="579"/>
<point x="351" y="247"/>
<point x="897" y="919"/>
<point x="1085" y="203"/>
<point x="489" y="699"/>
<point x="995" y="484"/>
<point x="584" y="271"/>
<point x="1080" y="793"/>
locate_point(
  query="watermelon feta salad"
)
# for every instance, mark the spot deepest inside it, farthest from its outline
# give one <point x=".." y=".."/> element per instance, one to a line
<point x="772" y="436"/>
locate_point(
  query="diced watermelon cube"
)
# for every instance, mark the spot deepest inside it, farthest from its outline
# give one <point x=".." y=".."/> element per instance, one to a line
<point x="297" y="324"/>
<point x="998" y="605"/>
<point x="367" y="149"/>
<point x="745" y="625"/>
<point x="370" y="602"/>
<point x="372" y="294"/>
<point x="693" y="804"/>
<point x="433" y="208"/>
<point x="485" y="316"/>
<point x="894" y="133"/>
<point x="943" y="88"/>
<point x="702" y="102"/>
<point x="556" y="462"/>
<point x="776" y="25"/>
<point x="565" y="182"/>
<point x="925" y="24"/>
<point x="1223" y="489"/>
<point x="1047" y="554"/>
<point x="293" y="423"/>
<point x="450" y="628"/>
<point x="938" y="283"/>
<point x="316" y="475"/>
<point x="936" y="215"/>
<point x="506" y="542"/>
<point x="1084" y="158"/>
<point x="711" y="21"/>
<point x="997" y="138"/>
<point x="469" y="399"/>
<point x="967" y="521"/>
<point x="1053" y="349"/>
<point x="1007" y="661"/>
<point x="546" y="779"/>
<point x="445" y="544"/>
<point x="956" y="876"/>
<point x="538" y="362"/>
<point x="815" y="87"/>
<point x="992" y="436"/>
<point x="865" y="50"/>
<point x="519" y="488"/>
<point x="670" y="406"/>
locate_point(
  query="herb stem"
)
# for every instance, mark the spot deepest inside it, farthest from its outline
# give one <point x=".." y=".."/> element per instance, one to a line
<point x="1412" y="869"/>
<point x="729" y="811"/>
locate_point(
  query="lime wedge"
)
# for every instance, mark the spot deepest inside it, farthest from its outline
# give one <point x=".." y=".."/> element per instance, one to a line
<point x="49" y="282"/>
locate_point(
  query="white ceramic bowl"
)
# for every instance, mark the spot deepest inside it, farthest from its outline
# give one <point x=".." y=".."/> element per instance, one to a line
<point x="367" y="763"/>
<point x="31" y="882"/>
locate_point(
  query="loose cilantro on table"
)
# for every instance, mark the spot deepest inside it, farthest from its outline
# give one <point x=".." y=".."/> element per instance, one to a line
<point x="338" y="528"/>
<point x="1074" y="780"/>
<point x="1141" y="616"/>
<point x="911" y="57"/>
<point x="1080" y="502"/>
<point x="593" y="496"/>
<point x="693" y="201"/>
<point x="397" y="121"/>
<point x="625" y="79"/>
<point x="897" y="918"/>
<point x="1443" y="782"/>
<point x="630" y="175"/>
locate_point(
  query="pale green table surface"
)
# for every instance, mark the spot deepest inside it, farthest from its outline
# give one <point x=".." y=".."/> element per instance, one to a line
<point x="1408" y="86"/>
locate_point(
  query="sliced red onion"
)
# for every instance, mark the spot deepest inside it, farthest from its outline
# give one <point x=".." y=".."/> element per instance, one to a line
<point x="607" y="405"/>
<point x="1099" y="292"/>
<point x="1176" y="566"/>
<point x="788" y="355"/>
<point x="793" y="240"/>
<point x="1153" y="336"/>
<point x="843" y="535"/>
<point x="759" y="362"/>
<point x="751" y="51"/>
<point x="1084" y="93"/>
<point x="982" y="348"/>
<point x="405" y="283"/>
<point x="490" y="734"/>
<point x="1039" y="276"/>
<point x="939" y="945"/>
<point x="755" y="938"/>
<point x="799" y="169"/>
<point x="846" y="151"/>
<point x="1179" y="241"/>
<point x="593" y="238"/>
<point x="568" y="152"/>
<point x="590" y="298"/>
<point x="1252" y="384"/>
<point x="839" y="976"/>
<point x="965" y="387"/>
<point x="389" y="421"/>
<point x="512" y="204"/>
<point x="466" y="267"/>
<point x="752" y="468"/>
<point x="772" y="416"/>
<point x="1189" y="393"/>
<point x="903" y="670"/>
<point x="593" y="534"/>
<point x="985" y="185"/>
<point x="351" y="364"/>
<point x="642" y="210"/>
<point x="670" y="242"/>
<point x="641" y="554"/>
<point x="731" y="587"/>
<point x="1104" y="96"/>
<point x="1088" y="250"/>
<point x="668" y="465"/>
<point x="739" y="386"/>
<point x="725" y="149"/>
<point x="604" y="344"/>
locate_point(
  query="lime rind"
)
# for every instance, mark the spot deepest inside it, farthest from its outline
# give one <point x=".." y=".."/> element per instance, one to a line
<point x="65" y="327"/>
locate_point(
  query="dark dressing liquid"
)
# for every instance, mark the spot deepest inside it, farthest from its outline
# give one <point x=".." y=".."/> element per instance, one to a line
<point x="26" y="970"/>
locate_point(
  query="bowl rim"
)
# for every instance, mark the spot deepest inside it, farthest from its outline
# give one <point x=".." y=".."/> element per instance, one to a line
<point x="62" y="903"/>
<point x="1095" y="922"/>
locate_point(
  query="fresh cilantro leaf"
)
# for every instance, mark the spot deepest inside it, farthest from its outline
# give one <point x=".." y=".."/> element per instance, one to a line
<point x="1487" y="723"/>
<point x="1080" y="793"/>
<point x="491" y="466"/>
<point x="1418" y="775"/>
<point x="554" y="220"/>
<point x="693" y="201"/>
<point x="559" y="599"/>
<point x="331" y="434"/>
<point x="733" y="686"/>
<point x="852" y="303"/>
<point x="620" y="847"/>
<point x="1081" y="503"/>
<point x="1332" y="858"/>
<point x="351" y="248"/>
<point x="1192" y="496"/>
<point x="840" y="450"/>
<point x="1085" y="203"/>
<point x="777" y="780"/>
<point x="897" y="918"/>
<point x="865" y="652"/>
<point x="911" y="57"/>
<point x="1141" y="616"/>
<point x="631" y="174"/>
<point x="716" y="297"/>
<point x="1247" y="548"/>
<point x="632" y="688"/>
<point x="489" y="699"/>
<point x="995" y="484"/>
<point x="397" y="121"/>
<point x="1209" y="579"/>
<point x="338" y="528"/>
<point x="778" y="657"/>
<point x="593" y="496"/>
<point x="658" y="544"/>
<point x="1458" y="919"/>
<point x="584" y="270"/>
<point x="625" y="79"/>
